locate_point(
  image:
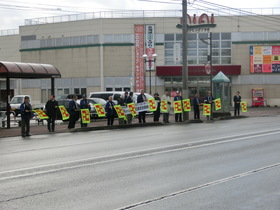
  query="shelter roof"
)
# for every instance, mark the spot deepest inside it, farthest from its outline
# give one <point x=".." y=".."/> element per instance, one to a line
<point x="28" y="70"/>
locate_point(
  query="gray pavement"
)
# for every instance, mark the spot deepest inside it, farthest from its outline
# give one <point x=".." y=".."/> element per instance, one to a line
<point x="228" y="164"/>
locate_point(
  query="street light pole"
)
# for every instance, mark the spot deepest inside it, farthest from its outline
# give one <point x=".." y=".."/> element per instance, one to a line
<point x="185" y="75"/>
<point x="149" y="61"/>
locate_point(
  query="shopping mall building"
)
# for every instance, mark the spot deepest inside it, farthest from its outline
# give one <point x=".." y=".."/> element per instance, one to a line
<point x="103" y="52"/>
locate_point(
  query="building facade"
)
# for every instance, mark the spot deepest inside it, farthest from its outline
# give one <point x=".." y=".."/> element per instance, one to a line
<point x="101" y="52"/>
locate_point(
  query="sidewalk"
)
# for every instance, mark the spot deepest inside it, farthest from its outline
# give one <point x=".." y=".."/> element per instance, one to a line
<point x="102" y="123"/>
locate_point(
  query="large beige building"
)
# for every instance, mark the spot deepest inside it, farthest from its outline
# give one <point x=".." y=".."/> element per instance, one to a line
<point x="103" y="51"/>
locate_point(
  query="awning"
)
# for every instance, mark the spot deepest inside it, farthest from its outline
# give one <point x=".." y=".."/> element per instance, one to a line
<point x="197" y="70"/>
<point x="28" y="70"/>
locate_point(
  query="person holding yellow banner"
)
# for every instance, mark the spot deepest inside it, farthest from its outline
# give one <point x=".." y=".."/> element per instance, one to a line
<point x="166" y="98"/>
<point x="84" y="104"/>
<point x="51" y="109"/>
<point x="109" y="108"/>
<point x="209" y="99"/>
<point x="178" y="116"/>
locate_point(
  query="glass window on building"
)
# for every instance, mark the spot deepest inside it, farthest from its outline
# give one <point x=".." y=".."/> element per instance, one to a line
<point x="216" y="60"/>
<point x="192" y="44"/>
<point x="169" y="37"/>
<point x="226" y="44"/>
<point x="179" y="37"/>
<point x="216" y="52"/>
<point x="215" y="36"/>
<point x="76" y="90"/>
<point x="203" y="52"/>
<point x="215" y="44"/>
<point x="109" y="89"/>
<point x="192" y="52"/>
<point x="192" y="37"/>
<point x="126" y="88"/>
<point x="169" y="45"/>
<point x="83" y="40"/>
<point x="202" y="45"/>
<point x="169" y="53"/>
<point x="109" y="38"/>
<point x="226" y="36"/>
<point x="192" y="60"/>
<point x="203" y="36"/>
<point x="167" y="80"/>
<point x="177" y="80"/>
<point x="226" y="60"/>
<point x="83" y="91"/>
<point x="118" y="88"/>
<point x="66" y="41"/>
<point x="202" y="60"/>
<point x="169" y="61"/>
<point x="226" y="52"/>
<point x="203" y="79"/>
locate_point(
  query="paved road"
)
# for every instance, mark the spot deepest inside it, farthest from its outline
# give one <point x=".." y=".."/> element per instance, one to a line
<point x="231" y="164"/>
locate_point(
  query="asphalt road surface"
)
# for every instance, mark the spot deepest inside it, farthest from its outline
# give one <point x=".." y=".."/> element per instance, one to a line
<point x="231" y="164"/>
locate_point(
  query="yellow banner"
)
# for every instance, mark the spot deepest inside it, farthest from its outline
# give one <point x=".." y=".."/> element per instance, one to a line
<point x="163" y="106"/>
<point x="186" y="105"/>
<point x="207" y="109"/>
<point x="132" y="109"/>
<point x="64" y="114"/>
<point x="218" y="104"/>
<point x="85" y="115"/>
<point x="243" y="106"/>
<point x="152" y="104"/>
<point x="99" y="110"/>
<point x="42" y="115"/>
<point x="119" y="111"/>
<point x="177" y="107"/>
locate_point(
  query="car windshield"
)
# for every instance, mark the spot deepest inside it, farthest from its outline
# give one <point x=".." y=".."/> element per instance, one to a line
<point x="97" y="101"/>
<point x="17" y="100"/>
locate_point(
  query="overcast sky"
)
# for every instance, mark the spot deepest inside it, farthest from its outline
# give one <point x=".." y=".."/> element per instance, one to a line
<point x="14" y="12"/>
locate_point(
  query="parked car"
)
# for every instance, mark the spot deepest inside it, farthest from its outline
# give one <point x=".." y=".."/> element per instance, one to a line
<point x="3" y="106"/>
<point x="92" y="101"/>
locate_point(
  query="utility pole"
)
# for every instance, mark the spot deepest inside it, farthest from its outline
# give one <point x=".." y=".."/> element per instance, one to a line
<point x="185" y="79"/>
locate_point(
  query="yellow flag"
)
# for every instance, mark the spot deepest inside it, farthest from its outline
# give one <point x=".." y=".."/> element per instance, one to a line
<point x="187" y="105"/>
<point x="152" y="104"/>
<point x="119" y="111"/>
<point x="99" y="110"/>
<point x="218" y="103"/>
<point x="42" y="115"/>
<point x="244" y="106"/>
<point x="132" y="109"/>
<point x="163" y="106"/>
<point x="85" y="116"/>
<point x="207" y="109"/>
<point x="177" y="107"/>
<point x="64" y="114"/>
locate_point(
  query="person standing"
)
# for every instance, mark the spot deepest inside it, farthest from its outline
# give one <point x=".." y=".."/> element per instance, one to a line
<point x="74" y="112"/>
<point x="166" y="97"/>
<point x="50" y="109"/>
<point x="129" y="100"/>
<point x="84" y="104"/>
<point x="142" y="115"/>
<point x="196" y="102"/>
<point x="121" y="102"/>
<point x="209" y="99"/>
<point x="178" y="116"/>
<point x="26" y="114"/>
<point x="109" y="108"/>
<point x="157" y="112"/>
<point x="237" y="100"/>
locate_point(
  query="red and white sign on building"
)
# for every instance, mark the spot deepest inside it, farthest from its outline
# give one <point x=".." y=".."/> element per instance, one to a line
<point x="139" y="52"/>
<point x="150" y="45"/>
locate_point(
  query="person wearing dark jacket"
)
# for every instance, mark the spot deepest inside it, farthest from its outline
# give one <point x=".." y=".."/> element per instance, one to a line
<point x="109" y="108"/>
<point x="209" y="99"/>
<point x="178" y="116"/>
<point x="84" y="104"/>
<point x="196" y="102"/>
<point x="51" y="108"/>
<point x="237" y="100"/>
<point x="142" y="115"/>
<point x="26" y="114"/>
<point x="157" y="112"/>
<point x="73" y="111"/>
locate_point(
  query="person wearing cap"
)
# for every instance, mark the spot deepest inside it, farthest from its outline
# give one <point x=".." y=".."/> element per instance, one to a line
<point x="50" y="109"/>
<point x="157" y="112"/>
<point x="237" y="100"/>
<point x="26" y="115"/>
<point x="178" y="116"/>
<point x="84" y="104"/>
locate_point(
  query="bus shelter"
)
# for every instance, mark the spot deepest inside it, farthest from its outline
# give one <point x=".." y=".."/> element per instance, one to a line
<point x="18" y="70"/>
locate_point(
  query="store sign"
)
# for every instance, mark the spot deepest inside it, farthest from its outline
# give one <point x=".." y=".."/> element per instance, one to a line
<point x="203" y="23"/>
<point x="150" y="45"/>
<point x="139" y="63"/>
<point x="177" y="54"/>
<point x="265" y="59"/>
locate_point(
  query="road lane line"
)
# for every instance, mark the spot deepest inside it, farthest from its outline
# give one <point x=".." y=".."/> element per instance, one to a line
<point x="199" y="187"/>
<point x="69" y="165"/>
